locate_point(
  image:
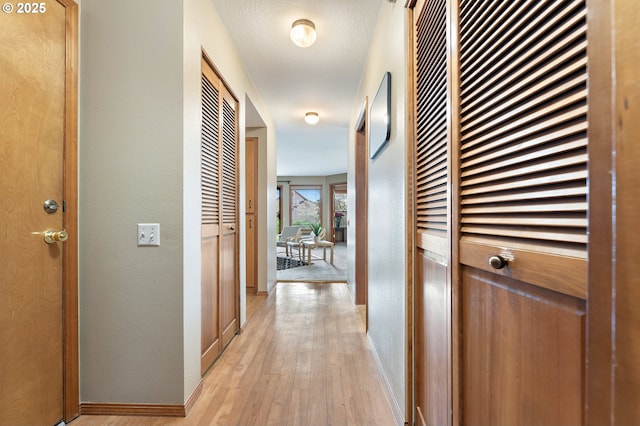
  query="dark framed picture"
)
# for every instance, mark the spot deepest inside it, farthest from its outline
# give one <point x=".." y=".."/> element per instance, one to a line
<point x="380" y="117"/>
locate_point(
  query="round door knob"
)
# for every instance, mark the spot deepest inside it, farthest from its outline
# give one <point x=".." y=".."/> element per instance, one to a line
<point x="51" y="236"/>
<point x="497" y="262"/>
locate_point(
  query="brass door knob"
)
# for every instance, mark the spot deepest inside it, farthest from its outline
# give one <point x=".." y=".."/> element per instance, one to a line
<point x="497" y="262"/>
<point x="51" y="236"/>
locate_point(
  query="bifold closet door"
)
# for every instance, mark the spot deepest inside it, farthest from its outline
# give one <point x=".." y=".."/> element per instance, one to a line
<point x="432" y="280"/>
<point x="219" y="242"/>
<point x="523" y="211"/>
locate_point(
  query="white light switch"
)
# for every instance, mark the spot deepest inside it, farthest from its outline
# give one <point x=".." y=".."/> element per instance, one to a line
<point x="148" y="234"/>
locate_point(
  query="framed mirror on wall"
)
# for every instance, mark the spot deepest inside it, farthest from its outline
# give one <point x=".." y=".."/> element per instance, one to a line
<point x="380" y="117"/>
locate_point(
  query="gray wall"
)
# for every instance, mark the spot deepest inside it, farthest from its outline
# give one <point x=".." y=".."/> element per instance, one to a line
<point x="140" y="162"/>
<point x="131" y="172"/>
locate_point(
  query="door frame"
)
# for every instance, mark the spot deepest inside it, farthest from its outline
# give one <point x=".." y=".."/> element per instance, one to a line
<point x="361" y="210"/>
<point x="611" y="373"/>
<point x="71" y="381"/>
<point x="332" y="209"/>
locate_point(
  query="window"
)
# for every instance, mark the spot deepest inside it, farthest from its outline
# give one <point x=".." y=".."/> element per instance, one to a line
<point x="279" y="208"/>
<point x="306" y="204"/>
<point x="339" y="205"/>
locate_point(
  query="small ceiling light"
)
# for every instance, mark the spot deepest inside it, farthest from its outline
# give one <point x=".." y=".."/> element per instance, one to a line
<point x="311" y="118"/>
<point x="303" y="33"/>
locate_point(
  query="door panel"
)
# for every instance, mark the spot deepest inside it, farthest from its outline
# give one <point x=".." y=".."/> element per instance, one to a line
<point x="210" y="232"/>
<point x="32" y="123"/>
<point x="210" y="333"/>
<point x="432" y="153"/>
<point x="228" y="278"/>
<point x="251" y="175"/>
<point x="219" y="185"/>
<point x="523" y="211"/>
<point x="432" y="347"/>
<point x="501" y="170"/>
<point x="251" y="255"/>
<point x="361" y="210"/>
<point x="523" y="353"/>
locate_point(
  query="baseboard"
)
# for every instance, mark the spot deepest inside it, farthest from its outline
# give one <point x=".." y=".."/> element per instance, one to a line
<point x="193" y="398"/>
<point x="152" y="410"/>
<point x="315" y="281"/>
<point x="397" y="410"/>
<point x="262" y="293"/>
<point x="111" y="409"/>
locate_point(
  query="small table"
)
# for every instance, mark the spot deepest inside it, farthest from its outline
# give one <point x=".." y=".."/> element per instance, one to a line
<point x="295" y="245"/>
<point x="308" y="245"/>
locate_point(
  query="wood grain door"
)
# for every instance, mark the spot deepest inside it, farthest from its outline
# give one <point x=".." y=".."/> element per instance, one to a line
<point x="251" y="174"/>
<point x="362" y="210"/>
<point x="229" y="261"/>
<point x="500" y="211"/>
<point x="34" y="98"/>
<point x="219" y="244"/>
<point x="210" y="234"/>
<point x="523" y="211"/>
<point x="432" y="206"/>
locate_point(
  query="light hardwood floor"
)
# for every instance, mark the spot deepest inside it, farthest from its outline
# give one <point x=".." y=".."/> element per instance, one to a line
<point x="302" y="359"/>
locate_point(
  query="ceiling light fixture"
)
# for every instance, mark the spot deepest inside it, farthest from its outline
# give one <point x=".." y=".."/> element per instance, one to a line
<point x="303" y="33"/>
<point x="311" y="118"/>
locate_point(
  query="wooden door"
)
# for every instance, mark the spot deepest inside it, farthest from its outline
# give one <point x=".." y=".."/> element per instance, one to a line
<point x="361" y="209"/>
<point x="523" y="211"/>
<point x="219" y="247"/>
<point x="229" y="279"/>
<point x="432" y="174"/>
<point x="210" y="234"/>
<point x="37" y="107"/>
<point x="251" y="174"/>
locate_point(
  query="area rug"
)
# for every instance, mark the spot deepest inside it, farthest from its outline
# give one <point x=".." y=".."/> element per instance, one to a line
<point x="288" y="263"/>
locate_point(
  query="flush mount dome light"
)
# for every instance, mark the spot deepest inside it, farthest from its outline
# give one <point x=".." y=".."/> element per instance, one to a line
<point x="311" y="118"/>
<point x="303" y="33"/>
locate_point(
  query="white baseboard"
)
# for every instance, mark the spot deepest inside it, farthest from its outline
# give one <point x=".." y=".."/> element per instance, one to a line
<point x="395" y="406"/>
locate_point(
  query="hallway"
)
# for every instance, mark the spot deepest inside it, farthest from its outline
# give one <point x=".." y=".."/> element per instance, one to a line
<point x="302" y="359"/>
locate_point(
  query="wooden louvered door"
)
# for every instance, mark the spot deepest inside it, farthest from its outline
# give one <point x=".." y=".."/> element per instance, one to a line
<point x="219" y="277"/>
<point x="523" y="211"/>
<point x="432" y="280"/>
<point x="228" y="232"/>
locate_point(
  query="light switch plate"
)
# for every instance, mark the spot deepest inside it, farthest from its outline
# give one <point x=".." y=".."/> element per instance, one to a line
<point x="148" y="234"/>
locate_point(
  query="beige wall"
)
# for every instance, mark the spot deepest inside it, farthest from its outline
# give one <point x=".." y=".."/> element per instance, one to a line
<point x="139" y="162"/>
<point x="387" y="204"/>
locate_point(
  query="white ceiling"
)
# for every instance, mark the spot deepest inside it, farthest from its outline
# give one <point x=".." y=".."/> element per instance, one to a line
<point x="292" y="80"/>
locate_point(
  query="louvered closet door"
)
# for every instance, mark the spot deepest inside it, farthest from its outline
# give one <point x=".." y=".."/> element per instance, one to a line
<point x="432" y="294"/>
<point x="523" y="193"/>
<point x="219" y="279"/>
<point x="228" y="231"/>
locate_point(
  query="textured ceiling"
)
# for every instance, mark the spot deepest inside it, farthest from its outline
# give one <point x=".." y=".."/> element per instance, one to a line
<point x="293" y="80"/>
